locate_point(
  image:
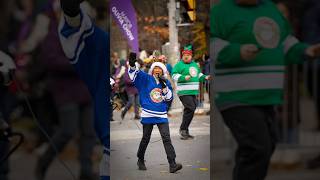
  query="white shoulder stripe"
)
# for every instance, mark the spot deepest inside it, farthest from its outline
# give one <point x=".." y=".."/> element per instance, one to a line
<point x="217" y="45"/>
<point x="289" y="42"/>
<point x="132" y="75"/>
<point x="70" y="44"/>
<point x="176" y="77"/>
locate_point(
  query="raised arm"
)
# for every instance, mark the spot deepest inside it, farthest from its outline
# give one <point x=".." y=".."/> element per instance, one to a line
<point x="87" y="48"/>
<point x="138" y="77"/>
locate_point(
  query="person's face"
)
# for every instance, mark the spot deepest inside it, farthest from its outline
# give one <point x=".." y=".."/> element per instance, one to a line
<point x="186" y="58"/>
<point x="247" y="2"/>
<point x="157" y="71"/>
<point x="115" y="58"/>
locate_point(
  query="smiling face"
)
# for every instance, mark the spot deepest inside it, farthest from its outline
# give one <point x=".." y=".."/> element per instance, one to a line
<point x="157" y="71"/>
<point x="186" y="58"/>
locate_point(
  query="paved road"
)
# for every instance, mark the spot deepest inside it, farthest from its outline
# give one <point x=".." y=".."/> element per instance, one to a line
<point x="22" y="165"/>
<point x="224" y="172"/>
<point x="193" y="154"/>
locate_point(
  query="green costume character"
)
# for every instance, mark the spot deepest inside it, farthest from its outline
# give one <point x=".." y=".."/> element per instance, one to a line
<point x="187" y="74"/>
<point x="252" y="43"/>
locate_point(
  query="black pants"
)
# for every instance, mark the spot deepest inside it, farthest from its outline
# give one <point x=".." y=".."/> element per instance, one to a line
<point x="254" y="130"/>
<point x="4" y="149"/>
<point x="165" y="135"/>
<point x="7" y="104"/>
<point x="190" y="104"/>
<point x="4" y="166"/>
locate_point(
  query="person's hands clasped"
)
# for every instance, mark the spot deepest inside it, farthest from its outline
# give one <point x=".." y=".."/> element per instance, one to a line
<point x="248" y="52"/>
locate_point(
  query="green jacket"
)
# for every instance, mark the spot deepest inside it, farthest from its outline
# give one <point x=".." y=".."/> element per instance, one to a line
<point x="180" y="71"/>
<point x="259" y="81"/>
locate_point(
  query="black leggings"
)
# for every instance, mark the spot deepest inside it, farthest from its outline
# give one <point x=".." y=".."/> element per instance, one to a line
<point x="165" y="135"/>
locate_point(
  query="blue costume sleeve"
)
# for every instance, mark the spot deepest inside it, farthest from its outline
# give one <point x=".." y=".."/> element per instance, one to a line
<point x="139" y="78"/>
<point x="87" y="48"/>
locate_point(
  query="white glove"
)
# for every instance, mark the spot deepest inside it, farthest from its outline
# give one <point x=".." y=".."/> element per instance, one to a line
<point x="112" y="82"/>
<point x="6" y="65"/>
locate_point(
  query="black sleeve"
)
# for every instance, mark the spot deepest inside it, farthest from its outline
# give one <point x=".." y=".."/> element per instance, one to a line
<point x="162" y="81"/>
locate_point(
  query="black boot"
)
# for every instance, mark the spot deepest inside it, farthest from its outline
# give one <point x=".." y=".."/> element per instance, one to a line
<point x="141" y="165"/>
<point x="174" y="167"/>
<point x="189" y="136"/>
<point x="183" y="134"/>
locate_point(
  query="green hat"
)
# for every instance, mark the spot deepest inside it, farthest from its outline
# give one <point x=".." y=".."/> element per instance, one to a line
<point x="187" y="49"/>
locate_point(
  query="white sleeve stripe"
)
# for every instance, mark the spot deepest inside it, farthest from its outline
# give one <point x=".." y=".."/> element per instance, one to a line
<point x="217" y="45"/>
<point x="289" y="43"/>
<point x="176" y="77"/>
<point x="220" y="44"/>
